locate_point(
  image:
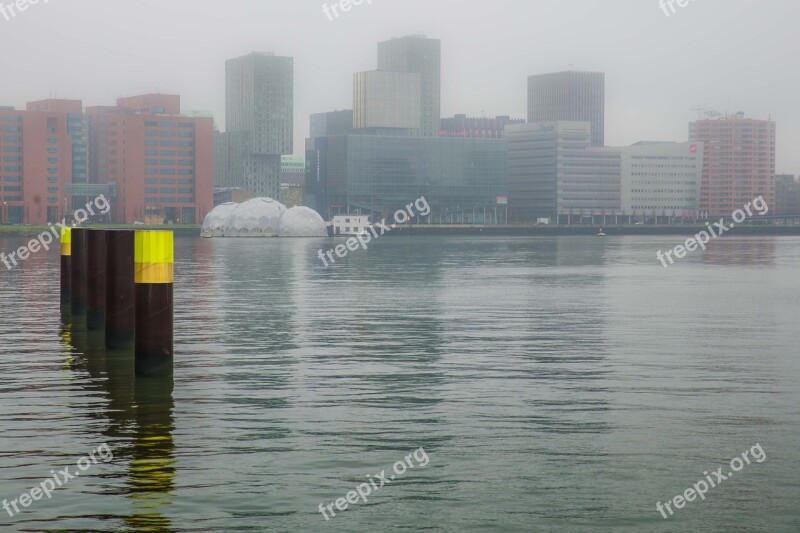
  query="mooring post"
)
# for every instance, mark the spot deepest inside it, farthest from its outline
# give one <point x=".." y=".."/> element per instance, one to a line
<point x="153" y="267"/>
<point x="78" y="277"/>
<point x="96" y="279"/>
<point x="120" y="290"/>
<point x="66" y="267"/>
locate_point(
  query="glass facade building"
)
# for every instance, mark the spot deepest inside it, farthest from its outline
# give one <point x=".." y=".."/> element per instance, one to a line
<point x="373" y="174"/>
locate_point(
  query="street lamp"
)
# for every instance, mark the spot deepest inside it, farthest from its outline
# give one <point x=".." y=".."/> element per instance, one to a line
<point x="5" y="212"/>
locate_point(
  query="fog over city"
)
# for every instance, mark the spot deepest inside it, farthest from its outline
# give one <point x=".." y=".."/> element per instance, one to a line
<point x="735" y="55"/>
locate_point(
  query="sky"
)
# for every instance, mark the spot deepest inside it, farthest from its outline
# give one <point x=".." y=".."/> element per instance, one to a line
<point x="726" y="55"/>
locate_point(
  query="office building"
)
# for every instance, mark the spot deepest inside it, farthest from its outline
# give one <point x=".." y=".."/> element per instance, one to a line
<point x="259" y="100"/>
<point x="661" y="180"/>
<point x="78" y="130"/>
<point x="160" y="164"/>
<point x="464" y="180"/>
<point x="36" y="151"/>
<point x="386" y="102"/>
<point x="569" y="96"/>
<point x="554" y="172"/>
<point x="331" y="123"/>
<point x="738" y="164"/>
<point x="787" y="196"/>
<point x="293" y="169"/>
<point x="420" y="55"/>
<point x="237" y="166"/>
<point x="474" y="127"/>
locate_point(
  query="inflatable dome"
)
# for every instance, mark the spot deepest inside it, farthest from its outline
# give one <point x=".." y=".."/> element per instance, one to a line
<point x="214" y="223"/>
<point x="259" y="217"/>
<point x="301" y="221"/>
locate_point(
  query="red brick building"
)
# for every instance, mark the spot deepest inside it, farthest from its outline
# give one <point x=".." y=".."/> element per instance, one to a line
<point x="739" y="162"/>
<point x="161" y="162"/>
<point x="35" y="164"/>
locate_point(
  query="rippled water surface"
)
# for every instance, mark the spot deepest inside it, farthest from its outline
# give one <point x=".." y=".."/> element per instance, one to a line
<point x="555" y="384"/>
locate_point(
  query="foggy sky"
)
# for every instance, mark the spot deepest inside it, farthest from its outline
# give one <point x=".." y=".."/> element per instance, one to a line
<point x="724" y="54"/>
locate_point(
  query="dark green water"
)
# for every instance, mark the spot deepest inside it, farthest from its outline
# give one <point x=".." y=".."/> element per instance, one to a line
<point x="556" y="384"/>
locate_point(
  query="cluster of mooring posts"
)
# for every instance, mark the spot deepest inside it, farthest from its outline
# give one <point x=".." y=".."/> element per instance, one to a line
<point x="121" y="281"/>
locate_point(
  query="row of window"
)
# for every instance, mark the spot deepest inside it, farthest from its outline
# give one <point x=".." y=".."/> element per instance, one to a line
<point x="170" y="152"/>
<point x="155" y="133"/>
<point x="169" y="143"/>
<point x="169" y="162"/>
<point x="167" y="200"/>
<point x="153" y="124"/>
<point x="169" y="181"/>
<point x="169" y="190"/>
<point x="169" y="171"/>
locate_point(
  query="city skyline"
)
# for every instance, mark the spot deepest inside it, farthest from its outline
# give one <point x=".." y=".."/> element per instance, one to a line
<point x="654" y="77"/>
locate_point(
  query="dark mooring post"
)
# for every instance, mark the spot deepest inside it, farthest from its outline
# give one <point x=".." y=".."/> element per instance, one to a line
<point x="79" y="242"/>
<point x="153" y="266"/>
<point x="66" y="266"/>
<point x="120" y="290"/>
<point x="96" y="279"/>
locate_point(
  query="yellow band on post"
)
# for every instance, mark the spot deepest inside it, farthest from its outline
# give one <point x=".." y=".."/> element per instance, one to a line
<point x="66" y="241"/>
<point x="153" y="257"/>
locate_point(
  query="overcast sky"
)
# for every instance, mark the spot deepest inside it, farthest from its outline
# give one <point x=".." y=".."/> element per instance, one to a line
<point x="724" y="54"/>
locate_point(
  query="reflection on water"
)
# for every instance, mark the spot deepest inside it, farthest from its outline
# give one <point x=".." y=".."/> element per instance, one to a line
<point x="557" y="384"/>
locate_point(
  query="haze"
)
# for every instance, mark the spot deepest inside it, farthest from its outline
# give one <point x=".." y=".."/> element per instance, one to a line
<point x="729" y="56"/>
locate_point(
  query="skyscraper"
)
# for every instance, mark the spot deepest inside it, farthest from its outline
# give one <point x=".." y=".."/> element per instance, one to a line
<point x="739" y="162"/>
<point x="259" y="107"/>
<point x="570" y="96"/>
<point x="387" y="101"/>
<point x="259" y="100"/>
<point x="423" y="56"/>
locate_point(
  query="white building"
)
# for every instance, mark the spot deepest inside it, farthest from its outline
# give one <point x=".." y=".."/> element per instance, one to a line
<point x="350" y="224"/>
<point x="661" y="179"/>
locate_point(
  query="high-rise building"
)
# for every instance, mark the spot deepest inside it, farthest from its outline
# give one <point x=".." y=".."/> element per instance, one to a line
<point x="386" y="102"/>
<point x="661" y="180"/>
<point x="423" y="56"/>
<point x="259" y="100"/>
<point x="36" y="167"/>
<point x="555" y="173"/>
<point x="161" y="164"/>
<point x="78" y="129"/>
<point x="331" y="123"/>
<point x="739" y="162"/>
<point x="569" y="96"/>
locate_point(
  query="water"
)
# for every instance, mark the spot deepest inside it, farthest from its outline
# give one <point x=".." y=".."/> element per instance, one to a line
<point x="555" y="384"/>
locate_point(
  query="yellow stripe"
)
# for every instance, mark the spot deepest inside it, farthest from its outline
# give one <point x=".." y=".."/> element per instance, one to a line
<point x="153" y="247"/>
<point x="66" y="248"/>
<point x="154" y="273"/>
<point x="66" y="236"/>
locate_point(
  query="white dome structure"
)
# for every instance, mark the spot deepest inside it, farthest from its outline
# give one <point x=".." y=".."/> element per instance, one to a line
<point x="301" y="221"/>
<point x="214" y="223"/>
<point x="258" y="217"/>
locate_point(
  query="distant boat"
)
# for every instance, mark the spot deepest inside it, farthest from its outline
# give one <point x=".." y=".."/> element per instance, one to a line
<point x="601" y="233"/>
